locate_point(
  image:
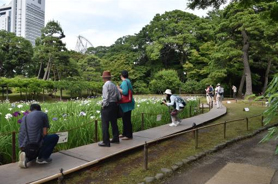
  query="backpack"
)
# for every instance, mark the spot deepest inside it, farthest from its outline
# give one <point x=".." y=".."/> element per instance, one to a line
<point x="180" y="100"/>
<point x="210" y="90"/>
<point x="221" y="91"/>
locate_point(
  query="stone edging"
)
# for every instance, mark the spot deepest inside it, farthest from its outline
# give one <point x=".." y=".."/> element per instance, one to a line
<point x="168" y="171"/>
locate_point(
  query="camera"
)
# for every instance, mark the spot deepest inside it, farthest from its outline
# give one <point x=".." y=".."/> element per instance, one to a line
<point x="164" y="100"/>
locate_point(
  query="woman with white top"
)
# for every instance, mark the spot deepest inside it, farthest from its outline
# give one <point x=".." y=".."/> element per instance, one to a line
<point x="177" y="103"/>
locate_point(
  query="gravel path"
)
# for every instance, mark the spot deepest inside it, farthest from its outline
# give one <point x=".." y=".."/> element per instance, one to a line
<point x="247" y="152"/>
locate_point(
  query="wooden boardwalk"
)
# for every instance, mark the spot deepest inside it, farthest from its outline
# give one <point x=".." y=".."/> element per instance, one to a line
<point x="84" y="156"/>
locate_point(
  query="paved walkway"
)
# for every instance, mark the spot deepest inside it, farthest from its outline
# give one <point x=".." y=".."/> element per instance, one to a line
<point x="84" y="156"/>
<point x="247" y="162"/>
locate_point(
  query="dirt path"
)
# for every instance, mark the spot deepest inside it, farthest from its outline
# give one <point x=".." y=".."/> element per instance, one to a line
<point x="247" y="152"/>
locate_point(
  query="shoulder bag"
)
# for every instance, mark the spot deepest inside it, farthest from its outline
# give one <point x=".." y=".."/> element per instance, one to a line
<point x="126" y="98"/>
<point x="31" y="149"/>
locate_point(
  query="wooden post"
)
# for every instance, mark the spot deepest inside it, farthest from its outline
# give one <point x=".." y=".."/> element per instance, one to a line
<point x="225" y="128"/>
<point x="96" y="130"/>
<point x="7" y="93"/>
<point x="13" y="147"/>
<point x="202" y="108"/>
<point x="262" y="120"/>
<point x="196" y="138"/>
<point x="146" y="156"/>
<point x="247" y="124"/>
<point x="142" y="122"/>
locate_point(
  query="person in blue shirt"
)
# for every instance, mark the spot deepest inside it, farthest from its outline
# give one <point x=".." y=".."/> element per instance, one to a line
<point x="126" y="107"/>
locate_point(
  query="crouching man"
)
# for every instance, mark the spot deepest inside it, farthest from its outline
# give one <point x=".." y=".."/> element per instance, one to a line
<point x="34" y="129"/>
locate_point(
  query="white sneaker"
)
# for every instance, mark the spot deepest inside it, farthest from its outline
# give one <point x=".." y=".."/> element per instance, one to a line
<point x="22" y="160"/>
<point x="172" y="124"/>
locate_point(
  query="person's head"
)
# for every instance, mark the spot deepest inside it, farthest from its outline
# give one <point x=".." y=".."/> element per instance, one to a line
<point x="106" y="76"/>
<point x="168" y="93"/>
<point x="36" y="107"/>
<point x="124" y="74"/>
<point x="218" y="84"/>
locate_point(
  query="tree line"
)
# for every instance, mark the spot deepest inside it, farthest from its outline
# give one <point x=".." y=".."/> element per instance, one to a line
<point x="177" y="50"/>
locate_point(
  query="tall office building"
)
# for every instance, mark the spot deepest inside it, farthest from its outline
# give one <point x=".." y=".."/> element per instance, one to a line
<point x="26" y="18"/>
<point x="5" y="17"/>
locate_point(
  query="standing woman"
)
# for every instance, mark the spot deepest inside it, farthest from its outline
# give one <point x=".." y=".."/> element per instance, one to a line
<point x="126" y="107"/>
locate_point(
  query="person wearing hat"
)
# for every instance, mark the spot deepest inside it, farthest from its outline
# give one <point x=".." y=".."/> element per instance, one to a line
<point x="109" y="110"/>
<point x="219" y="91"/>
<point x="126" y="107"/>
<point x="177" y="103"/>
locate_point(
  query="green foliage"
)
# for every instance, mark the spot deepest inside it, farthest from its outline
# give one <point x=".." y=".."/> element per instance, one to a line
<point x="193" y="87"/>
<point x="15" y="55"/>
<point x="165" y="79"/>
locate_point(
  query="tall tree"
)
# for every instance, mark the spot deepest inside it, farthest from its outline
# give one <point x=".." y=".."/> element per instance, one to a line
<point x="15" y="55"/>
<point x="51" y="45"/>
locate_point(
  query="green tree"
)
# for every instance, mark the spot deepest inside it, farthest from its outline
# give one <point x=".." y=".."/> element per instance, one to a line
<point x="51" y="47"/>
<point x="15" y="55"/>
<point x="165" y="79"/>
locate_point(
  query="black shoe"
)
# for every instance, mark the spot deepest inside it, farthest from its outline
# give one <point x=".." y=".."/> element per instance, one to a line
<point x="115" y="141"/>
<point x="103" y="144"/>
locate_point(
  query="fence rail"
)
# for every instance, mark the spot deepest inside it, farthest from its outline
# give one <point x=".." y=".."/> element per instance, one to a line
<point x="94" y="124"/>
<point x="195" y="132"/>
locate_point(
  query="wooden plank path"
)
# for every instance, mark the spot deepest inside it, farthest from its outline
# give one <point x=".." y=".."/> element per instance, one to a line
<point x="84" y="156"/>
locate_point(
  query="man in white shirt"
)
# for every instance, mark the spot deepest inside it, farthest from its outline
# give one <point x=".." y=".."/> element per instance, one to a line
<point x="234" y="91"/>
<point x="219" y="91"/>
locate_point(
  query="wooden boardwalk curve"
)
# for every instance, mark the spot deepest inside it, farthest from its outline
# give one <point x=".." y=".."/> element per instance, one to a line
<point x="84" y="156"/>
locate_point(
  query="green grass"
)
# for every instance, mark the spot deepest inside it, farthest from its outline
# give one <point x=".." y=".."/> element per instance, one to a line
<point x="128" y="168"/>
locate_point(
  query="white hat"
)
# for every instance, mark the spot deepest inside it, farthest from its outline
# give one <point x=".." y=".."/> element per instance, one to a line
<point x="218" y="84"/>
<point x="168" y="91"/>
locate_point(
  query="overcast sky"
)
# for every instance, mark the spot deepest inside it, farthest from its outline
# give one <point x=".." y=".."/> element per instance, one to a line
<point x="102" y="22"/>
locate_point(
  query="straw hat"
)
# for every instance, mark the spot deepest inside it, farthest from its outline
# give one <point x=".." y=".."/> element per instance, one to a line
<point x="168" y="91"/>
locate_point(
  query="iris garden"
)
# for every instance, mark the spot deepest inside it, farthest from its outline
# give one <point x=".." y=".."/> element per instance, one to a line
<point x="78" y="117"/>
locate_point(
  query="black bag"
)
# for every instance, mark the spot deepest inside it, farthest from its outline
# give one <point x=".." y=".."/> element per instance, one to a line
<point x="31" y="149"/>
<point x="120" y="113"/>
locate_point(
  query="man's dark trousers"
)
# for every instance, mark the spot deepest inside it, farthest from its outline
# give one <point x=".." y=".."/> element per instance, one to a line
<point x="49" y="142"/>
<point x="109" y="114"/>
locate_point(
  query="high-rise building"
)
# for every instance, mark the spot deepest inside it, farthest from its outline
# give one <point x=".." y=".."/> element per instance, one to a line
<point x="5" y="17"/>
<point x="25" y="18"/>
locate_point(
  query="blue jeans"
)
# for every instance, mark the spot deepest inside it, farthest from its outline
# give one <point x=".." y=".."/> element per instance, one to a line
<point x="48" y="144"/>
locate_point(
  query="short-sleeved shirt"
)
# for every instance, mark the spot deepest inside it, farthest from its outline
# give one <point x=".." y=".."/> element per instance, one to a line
<point x="36" y="121"/>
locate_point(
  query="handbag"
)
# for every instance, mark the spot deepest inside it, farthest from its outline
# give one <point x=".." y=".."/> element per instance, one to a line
<point x="126" y="98"/>
<point x="120" y="112"/>
<point x="31" y="149"/>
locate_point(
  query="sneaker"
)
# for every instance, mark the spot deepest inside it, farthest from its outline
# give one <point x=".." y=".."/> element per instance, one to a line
<point x="22" y="160"/>
<point x="43" y="161"/>
<point x="172" y="124"/>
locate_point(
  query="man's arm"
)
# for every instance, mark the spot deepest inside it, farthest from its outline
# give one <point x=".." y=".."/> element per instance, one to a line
<point x="45" y="131"/>
<point x="105" y="95"/>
